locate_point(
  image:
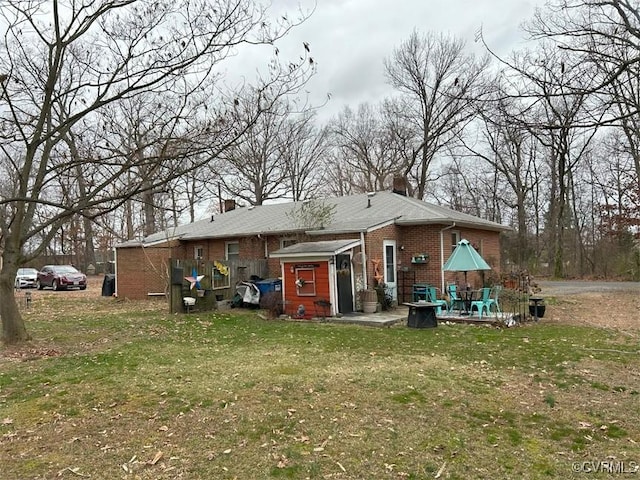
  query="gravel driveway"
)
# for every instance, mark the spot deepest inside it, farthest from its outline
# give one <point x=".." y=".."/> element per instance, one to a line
<point x="570" y="287"/>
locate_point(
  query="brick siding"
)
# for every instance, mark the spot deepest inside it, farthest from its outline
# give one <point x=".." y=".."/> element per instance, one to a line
<point x="142" y="271"/>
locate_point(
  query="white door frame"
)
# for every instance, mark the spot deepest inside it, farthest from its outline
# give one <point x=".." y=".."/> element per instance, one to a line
<point x="392" y="285"/>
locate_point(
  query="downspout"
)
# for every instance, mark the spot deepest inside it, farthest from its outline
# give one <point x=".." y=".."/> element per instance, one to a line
<point x="333" y="285"/>
<point x="284" y="289"/>
<point x="115" y="271"/>
<point x="363" y="253"/>
<point x="442" y="253"/>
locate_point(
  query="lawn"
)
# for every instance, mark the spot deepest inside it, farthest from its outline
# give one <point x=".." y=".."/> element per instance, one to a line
<point x="116" y="389"/>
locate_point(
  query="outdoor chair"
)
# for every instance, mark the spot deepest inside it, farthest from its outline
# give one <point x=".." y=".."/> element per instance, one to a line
<point x="493" y="299"/>
<point x="454" y="298"/>
<point x="482" y="303"/>
<point x="432" y="296"/>
<point x="323" y="307"/>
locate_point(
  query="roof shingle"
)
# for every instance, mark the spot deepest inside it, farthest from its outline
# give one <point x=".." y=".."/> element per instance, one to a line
<point x="353" y="214"/>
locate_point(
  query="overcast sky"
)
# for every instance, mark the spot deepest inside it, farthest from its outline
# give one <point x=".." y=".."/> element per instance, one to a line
<point x="349" y="39"/>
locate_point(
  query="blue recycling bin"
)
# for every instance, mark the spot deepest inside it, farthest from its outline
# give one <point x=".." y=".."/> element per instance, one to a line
<point x="269" y="285"/>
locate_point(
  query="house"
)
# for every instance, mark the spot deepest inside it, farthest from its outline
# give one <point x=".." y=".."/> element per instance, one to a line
<point x="349" y="243"/>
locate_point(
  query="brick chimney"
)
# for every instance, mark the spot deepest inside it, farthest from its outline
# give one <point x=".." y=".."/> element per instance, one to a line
<point x="400" y="185"/>
<point x="229" y="204"/>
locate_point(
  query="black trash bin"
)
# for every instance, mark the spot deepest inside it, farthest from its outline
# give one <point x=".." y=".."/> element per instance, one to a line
<point x="537" y="307"/>
<point x="109" y="285"/>
<point x="422" y="315"/>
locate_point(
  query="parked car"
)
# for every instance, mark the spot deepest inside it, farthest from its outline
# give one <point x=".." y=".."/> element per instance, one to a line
<point x="61" y="277"/>
<point x="26" y="278"/>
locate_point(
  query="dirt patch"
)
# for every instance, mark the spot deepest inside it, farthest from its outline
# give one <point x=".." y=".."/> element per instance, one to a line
<point x="615" y="310"/>
<point x="22" y="353"/>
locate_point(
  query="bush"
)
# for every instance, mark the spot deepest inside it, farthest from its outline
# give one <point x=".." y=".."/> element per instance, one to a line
<point x="272" y="303"/>
<point x="385" y="298"/>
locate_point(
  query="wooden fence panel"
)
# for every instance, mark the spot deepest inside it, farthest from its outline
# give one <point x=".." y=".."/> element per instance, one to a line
<point x="239" y="270"/>
<point x="243" y="270"/>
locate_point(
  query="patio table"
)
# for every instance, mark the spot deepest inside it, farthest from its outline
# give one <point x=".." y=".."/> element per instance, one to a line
<point x="466" y="297"/>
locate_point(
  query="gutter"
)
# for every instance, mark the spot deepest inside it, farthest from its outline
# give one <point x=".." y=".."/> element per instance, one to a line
<point x="442" y="253"/>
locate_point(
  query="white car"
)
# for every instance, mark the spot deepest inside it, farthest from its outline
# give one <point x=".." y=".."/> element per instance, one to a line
<point x="26" y="278"/>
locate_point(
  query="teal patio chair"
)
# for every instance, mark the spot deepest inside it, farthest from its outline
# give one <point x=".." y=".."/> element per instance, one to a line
<point x="432" y="296"/>
<point x="483" y="302"/>
<point x="493" y="299"/>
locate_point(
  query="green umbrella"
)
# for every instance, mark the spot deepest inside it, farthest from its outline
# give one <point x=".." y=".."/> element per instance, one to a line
<point x="465" y="259"/>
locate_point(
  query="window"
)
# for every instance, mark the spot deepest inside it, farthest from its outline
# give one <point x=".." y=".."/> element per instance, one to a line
<point x="287" y="242"/>
<point x="232" y="250"/>
<point x="220" y="276"/>
<point x="455" y="238"/>
<point x="198" y="252"/>
<point x="306" y="282"/>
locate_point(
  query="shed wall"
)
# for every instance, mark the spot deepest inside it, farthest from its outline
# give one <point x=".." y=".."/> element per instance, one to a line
<point x="291" y="296"/>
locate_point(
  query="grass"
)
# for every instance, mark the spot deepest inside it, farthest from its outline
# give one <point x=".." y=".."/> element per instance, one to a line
<point x="124" y="390"/>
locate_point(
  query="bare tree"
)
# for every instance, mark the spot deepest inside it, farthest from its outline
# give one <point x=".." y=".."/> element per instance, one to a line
<point x="583" y="77"/>
<point x="364" y="148"/>
<point x="438" y="83"/>
<point x="87" y="57"/>
<point x="605" y="36"/>
<point x="188" y="191"/>
<point x="563" y="118"/>
<point x="610" y="210"/>
<point x="596" y="31"/>
<point x="146" y="127"/>
<point x="337" y="177"/>
<point x="619" y="195"/>
<point x="303" y="147"/>
<point x="254" y="168"/>
<point x="561" y="114"/>
<point x="514" y="157"/>
<point x="624" y="94"/>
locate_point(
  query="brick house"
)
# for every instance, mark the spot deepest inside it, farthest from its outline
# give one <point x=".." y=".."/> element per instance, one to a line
<point x="379" y="237"/>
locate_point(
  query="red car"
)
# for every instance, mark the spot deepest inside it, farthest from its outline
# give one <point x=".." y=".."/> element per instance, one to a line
<point x="61" y="277"/>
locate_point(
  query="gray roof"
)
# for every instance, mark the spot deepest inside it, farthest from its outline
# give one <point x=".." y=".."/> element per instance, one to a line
<point x="353" y="214"/>
<point x="320" y="249"/>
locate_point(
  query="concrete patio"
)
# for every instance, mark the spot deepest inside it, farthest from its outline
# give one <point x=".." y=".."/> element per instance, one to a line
<point x="398" y="316"/>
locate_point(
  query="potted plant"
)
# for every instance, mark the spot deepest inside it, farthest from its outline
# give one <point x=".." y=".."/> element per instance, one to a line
<point x="420" y="258"/>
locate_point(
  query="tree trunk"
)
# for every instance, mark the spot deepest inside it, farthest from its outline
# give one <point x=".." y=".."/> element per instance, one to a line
<point x="523" y="246"/>
<point x="13" y="328"/>
<point x="149" y="208"/>
<point x="128" y="217"/>
<point x="89" y="249"/>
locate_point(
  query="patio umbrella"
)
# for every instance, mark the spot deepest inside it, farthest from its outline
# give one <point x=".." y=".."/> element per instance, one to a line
<point x="465" y="259"/>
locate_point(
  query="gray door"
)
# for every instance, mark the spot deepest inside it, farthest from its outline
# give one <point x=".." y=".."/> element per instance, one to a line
<point x="343" y="281"/>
